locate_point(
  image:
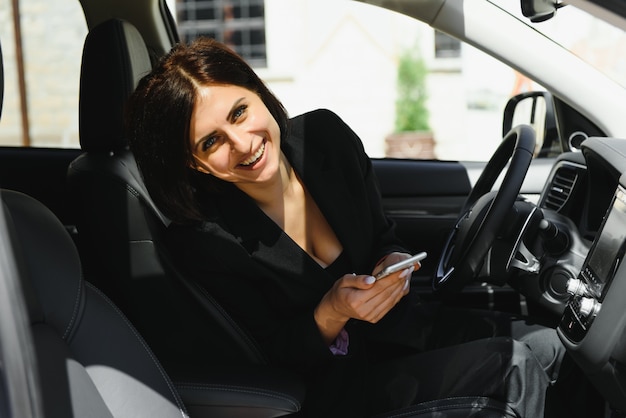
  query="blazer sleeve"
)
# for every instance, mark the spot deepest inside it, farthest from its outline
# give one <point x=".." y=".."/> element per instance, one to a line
<point x="384" y="240"/>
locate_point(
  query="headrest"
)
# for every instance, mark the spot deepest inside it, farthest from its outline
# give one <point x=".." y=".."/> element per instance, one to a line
<point x="47" y="261"/>
<point x="115" y="57"/>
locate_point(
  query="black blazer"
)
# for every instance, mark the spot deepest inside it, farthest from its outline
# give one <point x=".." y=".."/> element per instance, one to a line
<point x="263" y="278"/>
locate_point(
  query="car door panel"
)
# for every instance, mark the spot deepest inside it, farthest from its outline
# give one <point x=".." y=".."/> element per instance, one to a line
<point x="424" y="199"/>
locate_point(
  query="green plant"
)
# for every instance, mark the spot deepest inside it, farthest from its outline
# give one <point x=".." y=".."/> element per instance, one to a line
<point x="411" y="111"/>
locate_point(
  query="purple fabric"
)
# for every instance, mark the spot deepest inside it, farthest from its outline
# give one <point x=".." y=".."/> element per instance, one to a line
<point x="339" y="347"/>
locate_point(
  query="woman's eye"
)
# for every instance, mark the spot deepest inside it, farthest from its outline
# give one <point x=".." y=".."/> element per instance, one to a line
<point x="208" y="143"/>
<point x="239" y="112"/>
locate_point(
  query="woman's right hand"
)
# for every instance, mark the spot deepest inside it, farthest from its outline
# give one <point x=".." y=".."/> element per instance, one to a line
<point x="359" y="297"/>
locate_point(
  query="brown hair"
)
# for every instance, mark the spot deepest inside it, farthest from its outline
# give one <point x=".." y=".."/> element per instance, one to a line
<point x="158" y="116"/>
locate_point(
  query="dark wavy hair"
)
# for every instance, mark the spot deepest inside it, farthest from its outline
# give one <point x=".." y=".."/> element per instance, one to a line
<point x="158" y="117"/>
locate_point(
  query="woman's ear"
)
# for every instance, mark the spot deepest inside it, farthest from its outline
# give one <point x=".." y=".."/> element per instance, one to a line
<point x="198" y="165"/>
<point x="201" y="169"/>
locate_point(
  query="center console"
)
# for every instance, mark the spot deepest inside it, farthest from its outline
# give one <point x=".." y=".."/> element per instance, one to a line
<point x="590" y="287"/>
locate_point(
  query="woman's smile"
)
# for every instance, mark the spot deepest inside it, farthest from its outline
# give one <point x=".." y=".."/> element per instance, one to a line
<point x="254" y="159"/>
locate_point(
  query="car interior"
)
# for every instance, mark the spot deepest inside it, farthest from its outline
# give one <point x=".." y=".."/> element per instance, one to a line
<point x="134" y="339"/>
<point x="107" y="325"/>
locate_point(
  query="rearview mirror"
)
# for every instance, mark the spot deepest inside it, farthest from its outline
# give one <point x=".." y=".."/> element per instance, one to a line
<point x="535" y="108"/>
<point x="539" y="10"/>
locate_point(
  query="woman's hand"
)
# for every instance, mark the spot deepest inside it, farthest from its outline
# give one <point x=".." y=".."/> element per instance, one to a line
<point x="391" y="259"/>
<point x="360" y="297"/>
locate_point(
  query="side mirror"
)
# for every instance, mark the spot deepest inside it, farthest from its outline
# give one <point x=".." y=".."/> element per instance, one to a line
<point x="539" y="10"/>
<point x="535" y="108"/>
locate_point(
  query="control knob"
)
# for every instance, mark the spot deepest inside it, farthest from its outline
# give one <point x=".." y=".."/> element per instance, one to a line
<point x="588" y="307"/>
<point x="577" y="287"/>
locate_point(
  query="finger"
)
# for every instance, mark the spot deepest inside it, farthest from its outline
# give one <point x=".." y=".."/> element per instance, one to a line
<point x="361" y="281"/>
<point x="380" y="304"/>
<point x="397" y="278"/>
<point x="406" y="273"/>
<point x="392" y="295"/>
<point x="379" y="311"/>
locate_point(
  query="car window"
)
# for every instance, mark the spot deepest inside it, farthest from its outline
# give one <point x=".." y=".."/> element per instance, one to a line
<point x="594" y="40"/>
<point x="42" y="69"/>
<point x="348" y="61"/>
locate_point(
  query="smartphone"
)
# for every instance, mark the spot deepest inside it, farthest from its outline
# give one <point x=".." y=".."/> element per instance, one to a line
<point x="400" y="265"/>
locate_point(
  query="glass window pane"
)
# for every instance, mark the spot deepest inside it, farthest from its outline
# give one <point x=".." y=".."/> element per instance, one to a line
<point x="238" y="23"/>
<point x="45" y="112"/>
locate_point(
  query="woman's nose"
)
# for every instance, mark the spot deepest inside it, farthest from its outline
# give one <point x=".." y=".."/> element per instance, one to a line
<point x="238" y="141"/>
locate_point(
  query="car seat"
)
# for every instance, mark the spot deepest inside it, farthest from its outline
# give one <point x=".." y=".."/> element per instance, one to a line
<point x="119" y="225"/>
<point x="91" y="361"/>
<point x="119" y="232"/>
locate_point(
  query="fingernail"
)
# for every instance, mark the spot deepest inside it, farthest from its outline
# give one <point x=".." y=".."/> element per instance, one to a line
<point x="406" y="285"/>
<point x="370" y="279"/>
<point x="407" y="272"/>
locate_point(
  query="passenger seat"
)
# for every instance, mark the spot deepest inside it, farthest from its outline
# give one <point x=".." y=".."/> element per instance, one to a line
<point x="91" y="360"/>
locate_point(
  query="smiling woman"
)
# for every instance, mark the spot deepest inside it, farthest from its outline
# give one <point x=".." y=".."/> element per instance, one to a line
<point x="234" y="136"/>
<point x="208" y="136"/>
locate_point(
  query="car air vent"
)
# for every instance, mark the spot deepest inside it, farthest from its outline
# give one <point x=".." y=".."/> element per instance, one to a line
<point x="561" y="186"/>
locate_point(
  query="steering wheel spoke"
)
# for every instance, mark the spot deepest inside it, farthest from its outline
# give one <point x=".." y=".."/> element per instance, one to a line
<point x="484" y="211"/>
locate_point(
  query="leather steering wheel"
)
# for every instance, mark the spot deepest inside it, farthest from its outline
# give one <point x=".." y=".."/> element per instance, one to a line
<point x="484" y="211"/>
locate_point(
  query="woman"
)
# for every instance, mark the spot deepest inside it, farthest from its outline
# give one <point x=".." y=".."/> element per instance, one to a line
<point x="281" y="220"/>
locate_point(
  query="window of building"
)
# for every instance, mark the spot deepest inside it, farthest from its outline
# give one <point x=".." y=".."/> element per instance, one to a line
<point x="446" y="46"/>
<point x="42" y="66"/>
<point x="238" y="23"/>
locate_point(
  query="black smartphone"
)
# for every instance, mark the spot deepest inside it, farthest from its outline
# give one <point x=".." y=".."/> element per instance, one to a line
<point x="400" y="265"/>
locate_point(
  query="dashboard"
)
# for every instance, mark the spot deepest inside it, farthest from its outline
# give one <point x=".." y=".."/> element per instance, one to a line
<point x="589" y="189"/>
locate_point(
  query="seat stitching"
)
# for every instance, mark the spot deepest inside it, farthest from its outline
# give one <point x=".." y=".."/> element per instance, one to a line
<point x="170" y="386"/>
<point x="240" y="389"/>
<point x="77" y="300"/>
<point x="425" y="408"/>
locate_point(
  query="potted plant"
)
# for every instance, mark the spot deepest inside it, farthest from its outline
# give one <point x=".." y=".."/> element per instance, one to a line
<point x="412" y="137"/>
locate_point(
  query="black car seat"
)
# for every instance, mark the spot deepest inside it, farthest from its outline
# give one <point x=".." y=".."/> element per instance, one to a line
<point x="91" y="361"/>
<point x="119" y="230"/>
<point x="118" y="224"/>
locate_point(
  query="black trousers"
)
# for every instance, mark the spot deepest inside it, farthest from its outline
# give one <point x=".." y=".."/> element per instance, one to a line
<point x="461" y="352"/>
<point x="432" y="352"/>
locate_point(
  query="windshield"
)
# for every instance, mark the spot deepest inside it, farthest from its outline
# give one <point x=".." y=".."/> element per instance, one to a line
<point x="594" y="40"/>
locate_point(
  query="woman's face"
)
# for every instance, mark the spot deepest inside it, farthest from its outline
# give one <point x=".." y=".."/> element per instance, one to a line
<point x="233" y="135"/>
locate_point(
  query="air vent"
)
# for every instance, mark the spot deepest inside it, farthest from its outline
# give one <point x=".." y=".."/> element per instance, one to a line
<point x="560" y="187"/>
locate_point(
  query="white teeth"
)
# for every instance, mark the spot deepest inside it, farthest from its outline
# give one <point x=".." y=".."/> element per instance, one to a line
<point x="255" y="157"/>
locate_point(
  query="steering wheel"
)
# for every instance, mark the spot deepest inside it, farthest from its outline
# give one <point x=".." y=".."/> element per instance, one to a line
<point x="484" y="211"/>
